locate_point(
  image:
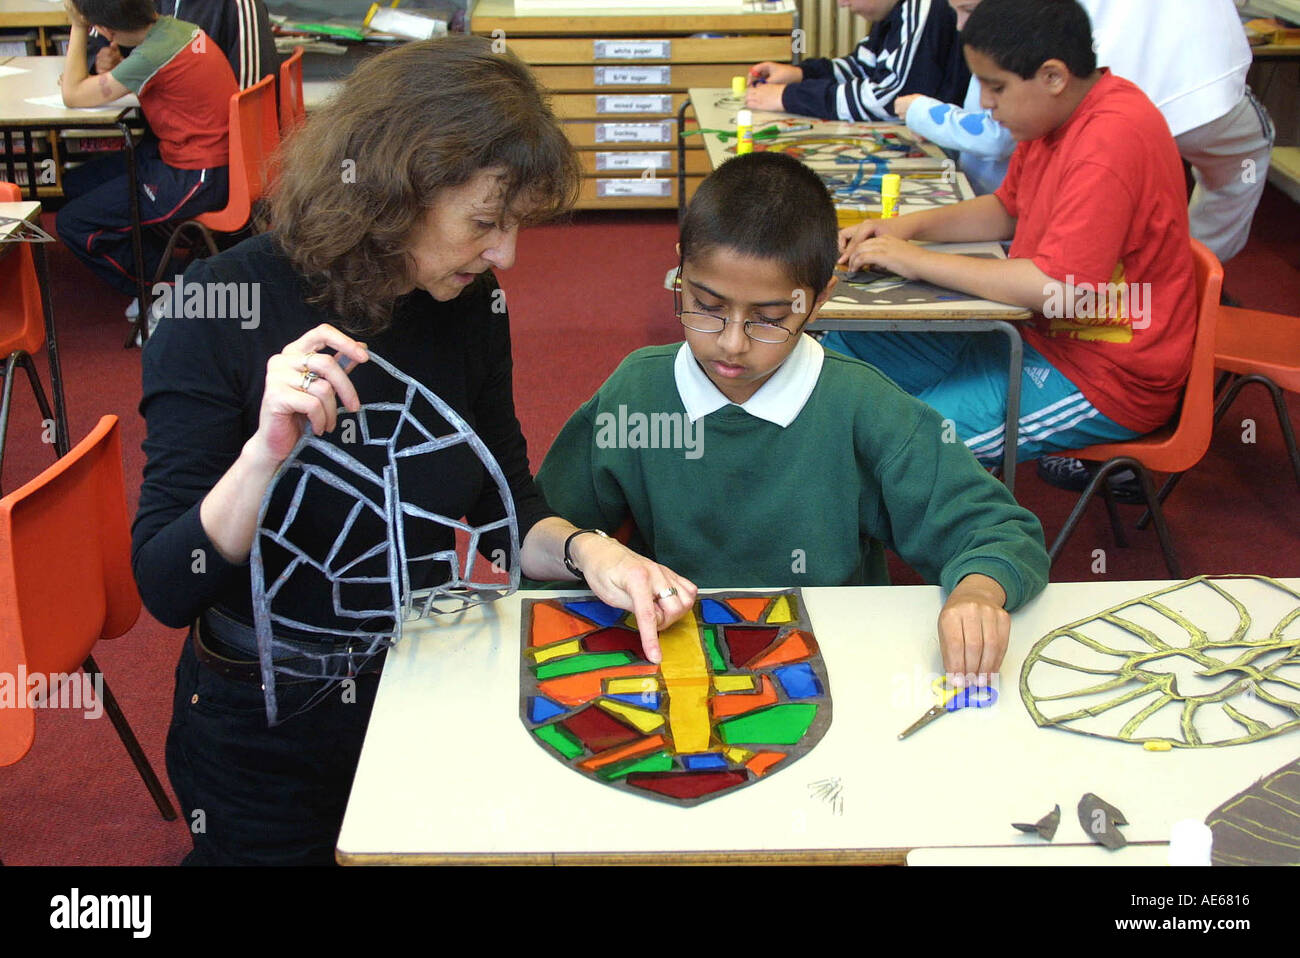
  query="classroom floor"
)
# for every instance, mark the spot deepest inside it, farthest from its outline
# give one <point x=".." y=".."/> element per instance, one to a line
<point x="581" y="296"/>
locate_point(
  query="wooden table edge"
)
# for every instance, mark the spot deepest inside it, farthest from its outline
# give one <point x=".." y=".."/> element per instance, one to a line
<point x="810" y="856"/>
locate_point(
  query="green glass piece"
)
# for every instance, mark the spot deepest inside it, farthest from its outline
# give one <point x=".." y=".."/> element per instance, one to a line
<point x="711" y="643"/>
<point x="560" y="740"/>
<point x="583" y="663"/>
<point x="778" y="725"/>
<point x="658" y="762"/>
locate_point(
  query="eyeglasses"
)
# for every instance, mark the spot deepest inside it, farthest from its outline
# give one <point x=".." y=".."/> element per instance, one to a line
<point x="757" y="330"/>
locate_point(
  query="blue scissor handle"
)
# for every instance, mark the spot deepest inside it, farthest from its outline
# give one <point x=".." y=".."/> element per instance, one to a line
<point x="973" y="697"/>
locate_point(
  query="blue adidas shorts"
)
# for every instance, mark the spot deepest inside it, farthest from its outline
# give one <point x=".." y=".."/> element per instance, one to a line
<point x="964" y="377"/>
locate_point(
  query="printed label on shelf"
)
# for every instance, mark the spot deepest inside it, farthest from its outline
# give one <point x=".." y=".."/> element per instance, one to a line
<point x="635" y="187"/>
<point x="634" y="49"/>
<point x="626" y="160"/>
<point x="651" y="103"/>
<point x="634" y="132"/>
<point x="634" y="76"/>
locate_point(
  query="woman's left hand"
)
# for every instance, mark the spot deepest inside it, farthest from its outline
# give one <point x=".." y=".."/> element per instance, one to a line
<point x="654" y="593"/>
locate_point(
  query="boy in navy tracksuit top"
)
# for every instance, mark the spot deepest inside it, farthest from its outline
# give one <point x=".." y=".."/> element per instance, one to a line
<point x="912" y="48"/>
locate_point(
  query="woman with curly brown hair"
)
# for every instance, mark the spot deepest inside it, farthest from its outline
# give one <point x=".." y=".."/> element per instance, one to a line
<point x="394" y="204"/>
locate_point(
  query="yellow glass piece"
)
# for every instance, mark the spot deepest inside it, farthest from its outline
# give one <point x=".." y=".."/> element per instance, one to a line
<point x="642" y="720"/>
<point x="637" y="686"/>
<point x="733" y="683"/>
<point x="547" y="652"/>
<point x="686" y="678"/>
<point x="780" y="611"/>
<point x="737" y="754"/>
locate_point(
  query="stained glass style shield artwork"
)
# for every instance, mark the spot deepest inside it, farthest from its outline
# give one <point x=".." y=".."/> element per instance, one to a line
<point x="1213" y="661"/>
<point x="741" y="693"/>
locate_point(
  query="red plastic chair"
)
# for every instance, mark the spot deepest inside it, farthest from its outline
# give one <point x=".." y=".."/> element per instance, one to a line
<point x="1257" y="347"/>
<point x="1173" y="448"/>
<point x="22" y="323"/>
<point x="292" y="109"/>
<point x="254" y="136"/>
<point x="66" y="583"/>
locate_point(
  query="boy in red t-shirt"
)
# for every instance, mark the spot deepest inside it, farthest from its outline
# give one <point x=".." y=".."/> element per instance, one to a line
<point x="184" y="84"/>
<point x="1095" y="205"/>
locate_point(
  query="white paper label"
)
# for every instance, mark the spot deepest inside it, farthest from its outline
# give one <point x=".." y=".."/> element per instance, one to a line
<point x="653" y="103"/>
<point x="634" y="76"/>
<point x="634" y="49"/>
<point x="634" y="187"/>
<point x="626" y="160"/>
<point x="634" y="132"/>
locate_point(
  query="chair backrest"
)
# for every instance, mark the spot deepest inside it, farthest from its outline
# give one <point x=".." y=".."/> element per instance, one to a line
<point x="292" y="109"/>
<point x="1196" y="417"/>
<point x="65" y="564"/>
<point x="22" y="322"/>
<point x="254" y="136"/>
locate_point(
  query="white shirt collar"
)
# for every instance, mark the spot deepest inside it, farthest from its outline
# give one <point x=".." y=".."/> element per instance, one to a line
<point x="779" y="400"/>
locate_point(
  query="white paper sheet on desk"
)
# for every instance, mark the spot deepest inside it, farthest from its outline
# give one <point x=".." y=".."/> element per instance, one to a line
<point x="10" y="71"/>
<point x="55" y="101"/>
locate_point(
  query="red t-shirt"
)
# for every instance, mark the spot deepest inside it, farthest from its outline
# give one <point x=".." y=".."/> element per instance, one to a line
<point x="185" y="84"/>
<point x="1101" y="200"/>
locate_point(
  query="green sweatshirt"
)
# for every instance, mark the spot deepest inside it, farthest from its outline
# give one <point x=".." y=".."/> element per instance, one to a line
<point x="735" y="501"/>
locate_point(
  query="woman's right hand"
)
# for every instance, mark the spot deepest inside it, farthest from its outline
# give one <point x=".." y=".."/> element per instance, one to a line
<point x="770" y="72"/>
<point x="286" y="405"/>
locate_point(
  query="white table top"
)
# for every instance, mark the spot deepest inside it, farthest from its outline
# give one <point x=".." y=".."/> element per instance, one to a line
<point x="41" y="79"/>
<point x="449" y="772"/>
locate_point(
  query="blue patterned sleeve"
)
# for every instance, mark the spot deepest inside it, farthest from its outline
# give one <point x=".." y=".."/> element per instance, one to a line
<point x="955" y="128"/>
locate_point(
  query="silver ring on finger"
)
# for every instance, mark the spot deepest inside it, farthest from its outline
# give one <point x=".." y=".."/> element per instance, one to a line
<point x="667" y="593"/>
<point x="308" y="377"/>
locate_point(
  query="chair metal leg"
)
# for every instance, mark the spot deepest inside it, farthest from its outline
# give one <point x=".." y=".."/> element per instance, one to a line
<point x="133" y="748"/>
<point x="20" y="358"/>
<point x="1158" y="514"/>
<point x="1148" y="491"/>
<point x="1116" y="524"/>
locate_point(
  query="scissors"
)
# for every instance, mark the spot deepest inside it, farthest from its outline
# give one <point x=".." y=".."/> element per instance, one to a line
<point x="949" y="699"/>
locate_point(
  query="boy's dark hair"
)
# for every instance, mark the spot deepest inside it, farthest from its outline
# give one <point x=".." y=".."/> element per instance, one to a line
<point x="118" y="14"/>
<point x="769" y="206"/>
<point x="1021" y="35"/>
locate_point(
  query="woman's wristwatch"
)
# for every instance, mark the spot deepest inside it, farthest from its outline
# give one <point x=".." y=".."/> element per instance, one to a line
<point x="568" y="559"/>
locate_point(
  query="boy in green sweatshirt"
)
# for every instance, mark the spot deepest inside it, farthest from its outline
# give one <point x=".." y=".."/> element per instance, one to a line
<point x="749" y="457"/>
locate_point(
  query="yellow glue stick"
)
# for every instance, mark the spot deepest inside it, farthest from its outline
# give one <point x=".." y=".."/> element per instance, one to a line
<point x="738" y="85"/>
<point x="744" y="132"/>
<point x="890" y="185"/>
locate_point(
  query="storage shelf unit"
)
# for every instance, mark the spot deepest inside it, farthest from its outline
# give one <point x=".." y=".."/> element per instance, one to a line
<point x="618" y="79"/>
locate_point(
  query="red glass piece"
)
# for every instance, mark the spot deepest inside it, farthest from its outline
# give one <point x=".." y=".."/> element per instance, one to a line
<point x="744" y="644"/>
<point x="797" y="645"/>
<point x="614" y="640"/>
<point x="686" y="784"/>
<point x="598" y="730"/>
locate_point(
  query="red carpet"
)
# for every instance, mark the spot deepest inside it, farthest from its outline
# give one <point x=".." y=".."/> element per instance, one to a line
<point x="581" y="297"/>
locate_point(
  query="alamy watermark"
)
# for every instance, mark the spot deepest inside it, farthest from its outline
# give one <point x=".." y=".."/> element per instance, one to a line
<point x="656" y="430"/>
<point x="1113" y="301"/>
<point x="53" y="690"/>
<point x="242" y="301"/>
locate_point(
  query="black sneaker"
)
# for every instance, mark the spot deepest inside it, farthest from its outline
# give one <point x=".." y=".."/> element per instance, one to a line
<point x="1075" y="474"/>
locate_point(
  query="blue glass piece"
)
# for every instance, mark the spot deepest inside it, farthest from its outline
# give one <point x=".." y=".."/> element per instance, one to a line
<point x="645" y="700"/>
<point x="540" y="708"/>
<point x="715" y="613"/>
<point x="597" y="611"/>
<point x="712" y="760"/>
<point x="799" y="681"/>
